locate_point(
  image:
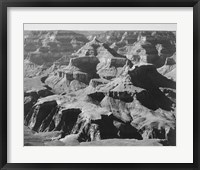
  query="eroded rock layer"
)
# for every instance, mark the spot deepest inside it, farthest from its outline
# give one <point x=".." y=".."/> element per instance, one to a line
<point x="106" y="92"/>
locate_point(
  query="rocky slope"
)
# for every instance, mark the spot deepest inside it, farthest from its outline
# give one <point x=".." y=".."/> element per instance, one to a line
<point x="164" y="42"/>
<point x="47" y="139"/>
<point x="117" y="109"/>
<point x="102" y="96"/>
<point x="43" y="48"/>
<point x="94" y="60"/>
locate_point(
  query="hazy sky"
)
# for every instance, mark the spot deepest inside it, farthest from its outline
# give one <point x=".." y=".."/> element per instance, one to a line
<point x="101" y="27"/>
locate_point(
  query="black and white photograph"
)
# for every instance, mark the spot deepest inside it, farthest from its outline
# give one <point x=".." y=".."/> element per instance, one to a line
<point x="99" y="86"/>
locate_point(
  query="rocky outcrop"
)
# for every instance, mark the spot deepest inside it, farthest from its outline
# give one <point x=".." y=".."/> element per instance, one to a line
<point x="146" y="121"/>
<point x="96" y="82"/>
<point x="93" y="60"/>
<point x="51" y="139"/>
<point x="170" y="64"/>
<point x="150" y="47"/>
<point x="85" y="64"/>
<point x="87" y="120"/>
<point x="107" y="59"/>
<point x="32" y="138"/>
<point x="54" y="41"/>
<point x="103" y="97"/>
<point x="67" y="80"/>
<point x="110" y="68"/>
<point x="31" y="97"/>
<point x="46" y="47"/>
<point x="130" y="106"/>
<point x="119" y="37"/>
<point x="146" y="76"/>
<point x="113" y="119"/>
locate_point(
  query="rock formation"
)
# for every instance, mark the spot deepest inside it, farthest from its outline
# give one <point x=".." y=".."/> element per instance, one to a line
<point x="93" y="60"/>
<point x="106" y="97"/>
<point x="43" y="48"/>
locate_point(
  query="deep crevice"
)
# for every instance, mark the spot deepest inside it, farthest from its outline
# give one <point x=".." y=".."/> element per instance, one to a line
<point x="68" y="120"/>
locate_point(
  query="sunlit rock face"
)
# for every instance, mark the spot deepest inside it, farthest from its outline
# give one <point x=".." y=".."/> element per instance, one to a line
<point x="114" y="88"/>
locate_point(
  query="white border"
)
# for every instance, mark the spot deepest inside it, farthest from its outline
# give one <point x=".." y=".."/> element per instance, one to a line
<point x="182" y="153"/>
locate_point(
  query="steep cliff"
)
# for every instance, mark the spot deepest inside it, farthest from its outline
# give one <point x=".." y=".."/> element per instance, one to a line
<point x="117" y="89"/>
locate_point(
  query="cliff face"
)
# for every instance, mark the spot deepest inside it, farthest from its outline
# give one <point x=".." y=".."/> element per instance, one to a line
<point x="103" y="96"/>
<point x="31" y="97"/>
<point x="95" y="59"/>
<point x="43" y="48"/>
<point x="121" y="108"/>
<point x="145" y="46"/>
